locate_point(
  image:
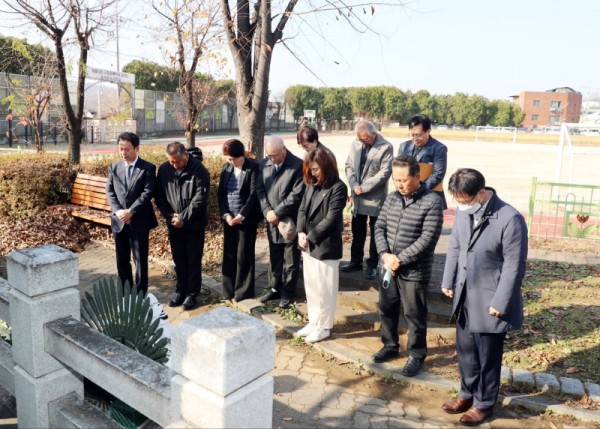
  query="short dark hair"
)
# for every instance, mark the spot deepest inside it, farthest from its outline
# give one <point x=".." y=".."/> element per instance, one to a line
<point x="328" y="169"/>
<point x="175" y="149"/>
<point x="407" y="161"/>
<point x="422" y="120"/>
<point x="234" y="148"/>
<point x="466" y="181"/>
<point x="129" y="137"/>
<point x="307" y="134"/>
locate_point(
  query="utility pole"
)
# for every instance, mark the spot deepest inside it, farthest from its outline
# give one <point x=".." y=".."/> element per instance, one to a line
<point x="118" y="18"/>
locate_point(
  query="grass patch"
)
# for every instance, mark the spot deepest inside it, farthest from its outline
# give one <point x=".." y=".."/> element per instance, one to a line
<point x="571" y="246"/>
<point x="561" y="332"/>
<point x="290" y="313"/>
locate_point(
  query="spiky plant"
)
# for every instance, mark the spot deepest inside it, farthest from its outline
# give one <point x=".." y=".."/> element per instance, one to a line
<point x="124" y="314"/>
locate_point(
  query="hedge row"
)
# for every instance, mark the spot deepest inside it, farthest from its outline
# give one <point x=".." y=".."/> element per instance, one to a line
<point x="29" y="183"/>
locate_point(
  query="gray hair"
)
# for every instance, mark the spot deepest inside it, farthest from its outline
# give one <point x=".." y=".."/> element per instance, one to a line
<point x="274" y="142"/>
<point x="367" y="126"/>
<point x="175" y="149"/>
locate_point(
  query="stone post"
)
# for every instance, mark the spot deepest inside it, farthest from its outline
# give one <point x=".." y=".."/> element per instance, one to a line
<point x="43" y="281"/>
<point x="222" y="358"/>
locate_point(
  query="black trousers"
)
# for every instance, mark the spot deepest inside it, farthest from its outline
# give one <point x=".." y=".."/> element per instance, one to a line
<point x="238" y="261"/>
<point x="479" y="364"/>
<point x="359" y="236"/>
<point x="128" y="243"/>
<point x="187" y="248"/>
<point x="414" y="303"/>
<point x="284" y="267"/>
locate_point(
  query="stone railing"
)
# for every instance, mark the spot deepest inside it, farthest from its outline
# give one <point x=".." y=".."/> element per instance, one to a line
<point x="219" y="363"/>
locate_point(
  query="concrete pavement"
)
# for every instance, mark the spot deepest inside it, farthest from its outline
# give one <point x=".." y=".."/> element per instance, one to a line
<point x="306" y="395"/>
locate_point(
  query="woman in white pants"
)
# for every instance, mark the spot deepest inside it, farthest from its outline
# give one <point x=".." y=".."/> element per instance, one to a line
<point x="320" y="226"/>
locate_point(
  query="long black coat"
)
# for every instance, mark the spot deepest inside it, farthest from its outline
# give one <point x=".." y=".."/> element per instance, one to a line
<point x="281" y="192"/>
<point x="247" y="189"/>
<point x="323" y="221"/>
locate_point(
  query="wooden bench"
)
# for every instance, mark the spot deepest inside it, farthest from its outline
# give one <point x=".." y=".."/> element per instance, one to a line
<point x="90" y="191"/>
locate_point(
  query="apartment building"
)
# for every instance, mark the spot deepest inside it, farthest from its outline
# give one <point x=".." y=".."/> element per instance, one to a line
<point x="549" y="108"/>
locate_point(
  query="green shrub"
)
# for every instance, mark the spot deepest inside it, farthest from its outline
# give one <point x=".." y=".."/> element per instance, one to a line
<point x="29" y="183"/>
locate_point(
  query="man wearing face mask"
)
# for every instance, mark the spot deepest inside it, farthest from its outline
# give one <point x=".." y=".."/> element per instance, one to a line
<point x="431" y="154"/>
<point x="485" y="266"/>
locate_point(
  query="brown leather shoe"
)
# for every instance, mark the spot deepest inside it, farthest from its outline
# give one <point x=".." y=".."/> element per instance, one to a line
<point x="457" y="405"/>
<point x="474" y="416"/>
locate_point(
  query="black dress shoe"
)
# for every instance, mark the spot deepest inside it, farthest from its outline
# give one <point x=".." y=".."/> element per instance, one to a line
<point x="284" y="302"/>
<point x="177" y="300"/>
<point x="272" y="294"/>
<point x="371" y="273"/>
<point x="190" y="302"/>
<point x="475" y="416"/>
<point x="351" y="266"/>
<point x="412" y="367"/>
<point x="385" y="354"/>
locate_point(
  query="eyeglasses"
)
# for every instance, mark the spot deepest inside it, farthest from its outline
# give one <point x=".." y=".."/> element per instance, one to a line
<point x="468" y="203"/>
<point x="274" y="156"/>
<point x="417" y="136"/>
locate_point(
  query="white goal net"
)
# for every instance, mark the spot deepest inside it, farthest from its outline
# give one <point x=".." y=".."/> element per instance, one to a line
<point x="500" y="134"/>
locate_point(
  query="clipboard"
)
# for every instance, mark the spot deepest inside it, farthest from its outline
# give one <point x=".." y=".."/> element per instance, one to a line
<point x="426" y="171"/>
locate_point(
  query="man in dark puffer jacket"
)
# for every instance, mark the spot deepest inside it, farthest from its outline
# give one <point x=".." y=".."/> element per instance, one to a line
<point x="182" y="196"/>
<point x="406" y="232"/>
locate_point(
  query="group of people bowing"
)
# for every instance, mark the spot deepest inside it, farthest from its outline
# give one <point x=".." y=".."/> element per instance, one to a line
<point x="302" y="202"/>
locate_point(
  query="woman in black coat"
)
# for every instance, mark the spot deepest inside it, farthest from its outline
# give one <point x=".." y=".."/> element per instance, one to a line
<point x="320" y="226"/>
<point x="240" y="212"/>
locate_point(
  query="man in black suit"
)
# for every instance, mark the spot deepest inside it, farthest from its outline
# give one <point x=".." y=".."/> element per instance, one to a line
<point x="182" y="198"/>
<point x="280" y="188"/>
<point x="129" y="191"/>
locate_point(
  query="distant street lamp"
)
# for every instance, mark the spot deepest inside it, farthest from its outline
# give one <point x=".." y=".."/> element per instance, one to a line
<point x="9" y="118"/>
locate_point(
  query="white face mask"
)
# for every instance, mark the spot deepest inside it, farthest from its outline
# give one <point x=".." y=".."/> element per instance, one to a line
<point x="469" y="208"/>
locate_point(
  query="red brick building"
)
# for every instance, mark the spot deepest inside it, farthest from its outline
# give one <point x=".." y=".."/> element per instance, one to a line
<point x="549" y="108"/>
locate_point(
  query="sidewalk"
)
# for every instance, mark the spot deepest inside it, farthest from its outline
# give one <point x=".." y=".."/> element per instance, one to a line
<point x="306" y="395"/>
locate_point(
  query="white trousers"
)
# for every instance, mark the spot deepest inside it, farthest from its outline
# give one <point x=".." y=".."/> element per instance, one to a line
<point x="321" y="281"/>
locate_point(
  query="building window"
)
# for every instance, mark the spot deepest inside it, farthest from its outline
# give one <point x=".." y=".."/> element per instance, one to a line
<point x="534" y="117"/>
<point x="536" y="103"/>
<point x="554" y="105"/>
<point x="554" y="120"/>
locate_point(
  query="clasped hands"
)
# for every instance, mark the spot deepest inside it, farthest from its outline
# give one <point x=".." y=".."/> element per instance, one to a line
<point x="303" y="240"/>
<point x="493" y="312"/>
<point x="124" y="216"/>
<point x="391" y="262"/>
<point x="233" y="221"/>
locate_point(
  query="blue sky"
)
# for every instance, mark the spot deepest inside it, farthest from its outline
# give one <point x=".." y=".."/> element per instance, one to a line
<point x="487" y="47"/>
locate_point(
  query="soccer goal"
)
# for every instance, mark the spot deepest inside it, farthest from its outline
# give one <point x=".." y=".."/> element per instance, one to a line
<point x="496" y="134"/>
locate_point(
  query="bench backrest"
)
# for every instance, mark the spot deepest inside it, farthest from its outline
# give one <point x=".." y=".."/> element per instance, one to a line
<point x="90" y="191"/>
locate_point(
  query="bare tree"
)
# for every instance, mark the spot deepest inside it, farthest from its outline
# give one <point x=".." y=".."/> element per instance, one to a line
<point x="253" y="29"/>
<point x="29" y="96"/>
<point x="193" y="27"/>
<point x="67" y="23"/>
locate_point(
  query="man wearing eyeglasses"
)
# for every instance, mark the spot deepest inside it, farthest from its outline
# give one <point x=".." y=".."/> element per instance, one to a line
<point x="484" y="270"/>
<point x="368" y="169"/>
<point x="431" y="154"/>
<point x="280" y="187"/>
